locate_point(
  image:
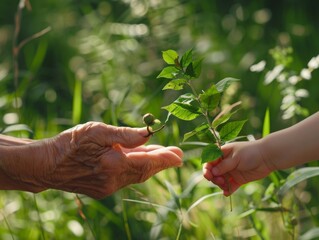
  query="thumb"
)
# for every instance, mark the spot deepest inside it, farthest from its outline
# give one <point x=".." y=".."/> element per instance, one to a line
<point x="126" y="136"/>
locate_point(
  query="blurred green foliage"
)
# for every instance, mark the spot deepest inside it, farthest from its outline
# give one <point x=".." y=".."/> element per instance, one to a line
<point x="100" y="61"/>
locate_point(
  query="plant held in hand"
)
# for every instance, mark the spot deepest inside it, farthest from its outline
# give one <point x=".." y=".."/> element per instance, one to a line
<point x="181" y="72"/>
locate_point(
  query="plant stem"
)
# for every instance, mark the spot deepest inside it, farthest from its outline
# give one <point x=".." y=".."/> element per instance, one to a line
<point x="151" y="132"/>
<point x="126" y="224"/>
<point x="213" y="131"/>
<point x="229" y="190"/>
<point x="80" y="205"/>
<point x="39" y="216"/>
<point x="7" y="223"/>
<point x="205" y="114"/>
<point x="218" y="140"/>
<point x="193" y="90"/>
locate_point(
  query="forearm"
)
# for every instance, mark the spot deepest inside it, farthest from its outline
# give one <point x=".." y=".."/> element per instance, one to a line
<point x="17" y="167"/>
<point x="293" y="146"/>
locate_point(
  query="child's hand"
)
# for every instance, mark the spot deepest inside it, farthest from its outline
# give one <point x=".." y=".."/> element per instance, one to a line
<point x="242" y="162"/>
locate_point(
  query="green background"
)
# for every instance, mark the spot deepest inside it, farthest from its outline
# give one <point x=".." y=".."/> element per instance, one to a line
<point x="99" y="62"/>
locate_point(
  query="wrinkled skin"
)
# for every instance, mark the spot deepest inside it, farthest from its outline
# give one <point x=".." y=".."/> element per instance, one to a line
<point x="95" y="159"/>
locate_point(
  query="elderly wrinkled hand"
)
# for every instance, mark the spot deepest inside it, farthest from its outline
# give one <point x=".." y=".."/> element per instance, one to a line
<point x="93" y="159"/>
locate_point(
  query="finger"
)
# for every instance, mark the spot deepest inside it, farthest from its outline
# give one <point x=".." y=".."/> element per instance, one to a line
<point x="207" y="171"/>
<point x="224" y="166"/>
<point x="169" y="156"/>
<point x="142" y="148"/>
<point x="157" y="160"/>
<point x="150" y="148"/>
<point x="176" y="150"/>
<point x="143" y="165"/>
<point x="219" y="181"/>
<point x="210" y="165"/>
<point x="126" y="137"/>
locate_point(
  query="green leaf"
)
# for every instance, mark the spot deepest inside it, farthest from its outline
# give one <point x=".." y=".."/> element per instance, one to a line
<point x="223" y="84"/>
<point x="168" y="72"/>
<point x="184" y="107"/>
<point x="222" y="119"/>
<point x="176" y="84"/>
<point x="170" y="56"/>
<point x="231" y="130"/>
<point x="211" y="153"/>
<point x="269" y="192"/>
<point x="297" y="177"/>
<point x="225" y="114"/>
<point x="194" y="68"/>
<point x="210" y="98"/>
<point x="204" y="135"/>
<point x="201" y="128"/>
<point x="187" y="58"/>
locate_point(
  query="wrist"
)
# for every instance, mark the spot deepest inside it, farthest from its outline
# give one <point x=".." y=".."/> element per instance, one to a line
<point x="266" y="150"/>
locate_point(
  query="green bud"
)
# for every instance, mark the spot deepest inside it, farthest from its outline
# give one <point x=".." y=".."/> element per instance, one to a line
<point x="149" y="119"/>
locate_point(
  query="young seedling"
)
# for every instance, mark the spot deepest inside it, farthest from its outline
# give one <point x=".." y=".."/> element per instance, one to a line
<point x="217" y="124"/>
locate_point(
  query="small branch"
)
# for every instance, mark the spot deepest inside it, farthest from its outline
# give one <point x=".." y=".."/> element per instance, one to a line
<point x="34" y="36"/>
<point x="192" y="88"/>
<point x="227" y="109"/>
<point x="15" y="52"/>
<point x="16" y="47"/>
<point x="213" y="131"/>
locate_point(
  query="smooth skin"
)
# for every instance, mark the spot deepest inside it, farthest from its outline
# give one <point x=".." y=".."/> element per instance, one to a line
<point x="94" y="159"/>
<point x="244" y="162"/>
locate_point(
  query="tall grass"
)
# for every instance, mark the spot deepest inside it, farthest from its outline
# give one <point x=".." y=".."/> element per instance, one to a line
<point x="99" y="62"/>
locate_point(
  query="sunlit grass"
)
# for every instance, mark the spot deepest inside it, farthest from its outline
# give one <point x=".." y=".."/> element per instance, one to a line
<point x="99" y="62"/>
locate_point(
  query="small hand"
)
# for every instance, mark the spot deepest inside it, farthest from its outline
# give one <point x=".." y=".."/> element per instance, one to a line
<point x="242" y="162"/>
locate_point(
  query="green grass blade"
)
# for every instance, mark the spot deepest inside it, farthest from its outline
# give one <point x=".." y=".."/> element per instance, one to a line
<point x="77" y="102"/>
<point x="311" y="234"/>
<point x="266" y="131"/>
<point x="297" y="177"/>
<point x="150" y="204"/>
<point x="196" y="203"/>
<point x="266" y="124"/>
